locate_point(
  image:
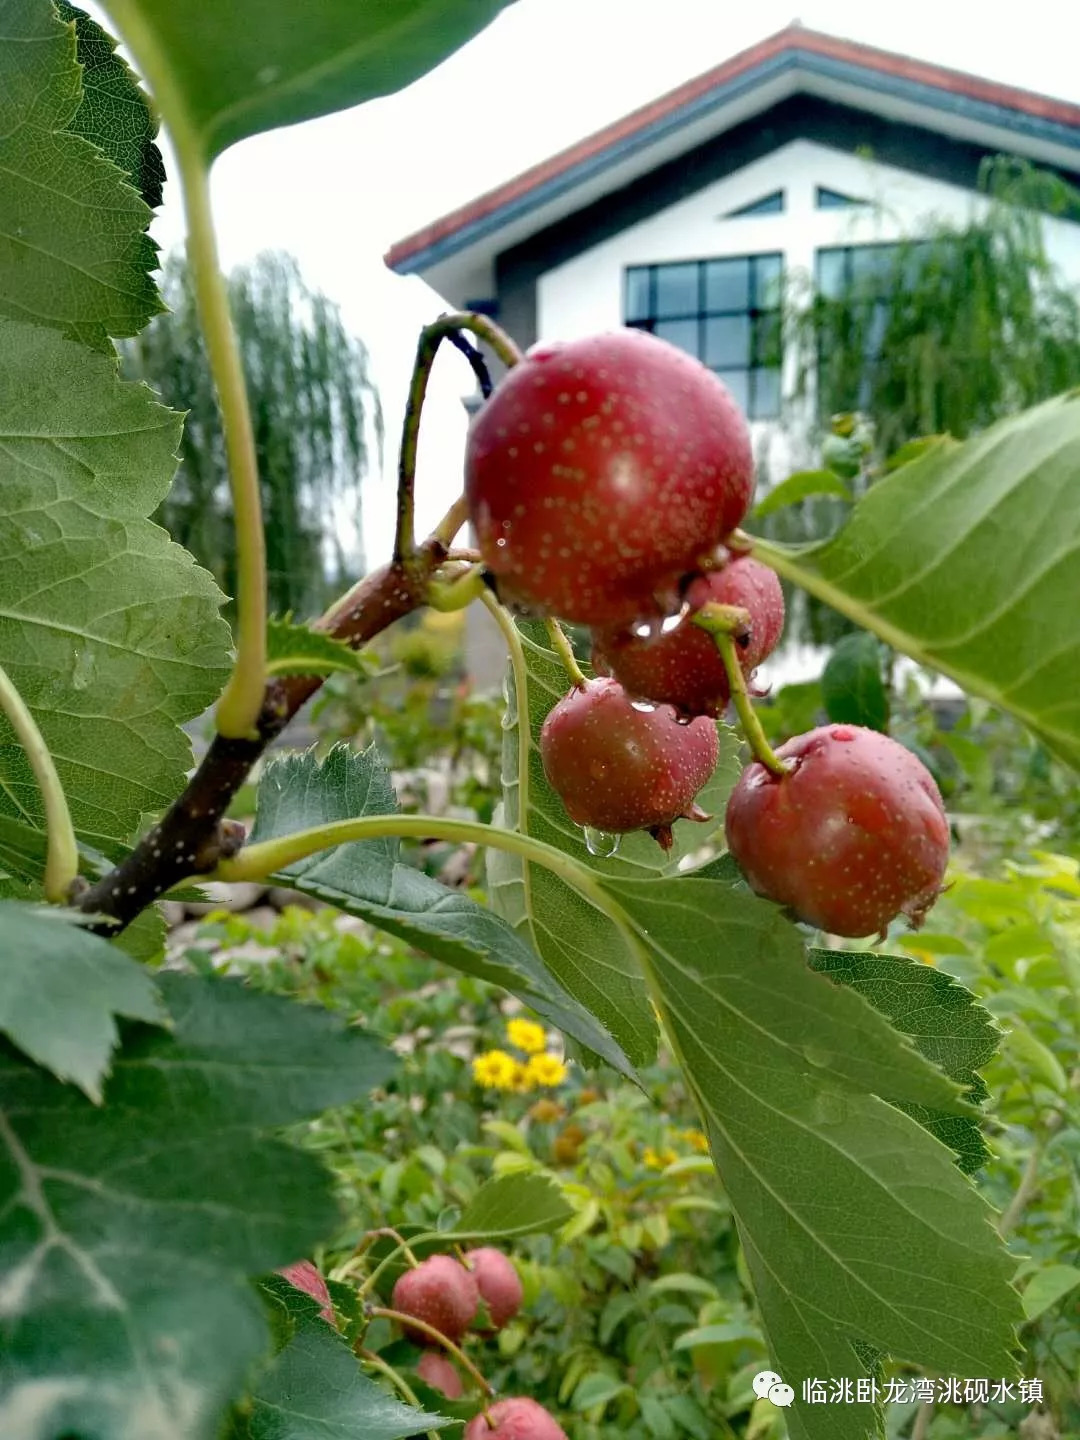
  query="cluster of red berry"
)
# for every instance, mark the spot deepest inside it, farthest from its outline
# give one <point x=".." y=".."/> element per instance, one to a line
<point x="605" y="480"/>
<point x="446" y="1294"/>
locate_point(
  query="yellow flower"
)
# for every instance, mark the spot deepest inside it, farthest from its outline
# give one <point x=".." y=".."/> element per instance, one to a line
<point x="658" y="1160"/>
<point x="495" y="1070"/>
<point x="526" y="1035"/>
<point x="696" y="1140"/>
<point x="522" y="1083"/>
<point x="546" y="1070"/>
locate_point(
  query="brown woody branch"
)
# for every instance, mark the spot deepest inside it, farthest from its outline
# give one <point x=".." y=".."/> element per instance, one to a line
<point x="194" y="835"/>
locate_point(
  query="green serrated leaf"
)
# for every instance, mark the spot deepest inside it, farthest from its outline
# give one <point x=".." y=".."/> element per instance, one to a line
<point x="128" y="1233"/>
<point x="314" y="1389"/>
<point x="237" y="73"/>
<point x="513" y="1205"/>
<point x="74" y="253"/>
<point x="945" y="1021"/>
<point x="367" y="879"/>
<point x="966" y="560"/>
<point x="579" y="944"/>
<point x="852" y="687"/>
<point x="298" y="650"/>
<point x="114" y="113"/>
<point x="800" y="487"/>
<point x="61" y="989"/>
<point x="857" y="1227"/>
<point x="110" y="632"/>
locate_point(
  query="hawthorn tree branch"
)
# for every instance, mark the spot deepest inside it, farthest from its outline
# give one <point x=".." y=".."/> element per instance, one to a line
<point x="193" y="835"/>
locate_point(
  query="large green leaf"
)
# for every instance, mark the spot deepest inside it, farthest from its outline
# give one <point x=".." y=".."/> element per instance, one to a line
<point x="238" y="70"/>
<point x="313" y="1388"/>
<point x="580" y="945"/>
<point x="74" y="253"/>
<point x="513" y="1205"/>
<point x="966" y="558"/>
<point x="114" y="113"/>
<point x="60" y="991"/>
<point x="944" y="1021"/>
<point x="127" y="1233"/>
<point x="858" y="1228"/>
<point x="368" y="879"/>
<point x="110" y="632"/>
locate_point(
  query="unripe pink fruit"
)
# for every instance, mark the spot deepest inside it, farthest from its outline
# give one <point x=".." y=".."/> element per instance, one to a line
<point x="441" y="1292"/>
<point x="620" y="766"/>
<point x="498" y="1282"/>
<point x="306" y="1278"/>
<point x="520" y="1419"/>
<point x="855" y="835"/>
<point x="438" y="1372"/>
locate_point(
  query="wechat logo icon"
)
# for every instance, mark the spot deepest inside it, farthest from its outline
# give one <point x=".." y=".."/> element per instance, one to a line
<point x="769" y="1386"/>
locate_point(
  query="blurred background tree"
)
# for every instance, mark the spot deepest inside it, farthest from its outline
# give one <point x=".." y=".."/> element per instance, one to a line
<point x="317" y="421"/>
<point x="943" y="334"/>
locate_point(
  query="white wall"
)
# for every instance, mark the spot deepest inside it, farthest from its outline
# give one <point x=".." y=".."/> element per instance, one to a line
<point x="585" y="294"/>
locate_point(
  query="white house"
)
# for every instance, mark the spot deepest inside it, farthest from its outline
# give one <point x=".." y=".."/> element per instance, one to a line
<point x="805" y="153"/>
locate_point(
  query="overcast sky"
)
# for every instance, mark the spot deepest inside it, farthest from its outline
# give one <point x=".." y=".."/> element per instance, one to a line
<point x="336" y="192"/>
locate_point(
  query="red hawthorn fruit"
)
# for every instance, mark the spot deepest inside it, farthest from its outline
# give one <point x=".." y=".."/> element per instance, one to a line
<point x="498" y="1282"/>
<point x="855" y="835"/>
<point x="439" y="1291"/>
<point x="619" y="765"/>
<point x="518" y="1419"/>
<point x="679" y="664"/>
<point x="438" y="1372"/>
<point x="306" y="1277"/>
<point x="600" y="471"/>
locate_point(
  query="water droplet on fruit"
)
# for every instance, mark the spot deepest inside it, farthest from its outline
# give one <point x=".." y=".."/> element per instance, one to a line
<point x="600" y="843"/>
<point x="674" y="621"/>
<point x="501" y="541"/>
<point x="817" y="1055"/>
<point x="681" y="719"/>
<point x="645" y="706"/>
<point x="649" y="629"/>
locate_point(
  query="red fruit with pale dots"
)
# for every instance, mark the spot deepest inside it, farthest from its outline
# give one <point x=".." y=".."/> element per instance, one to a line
<point x="437" y="1371"/>
<point x="855" y="835"/>
<point x="498" y="1282"/>
<point x="679" y="664"/>
<point x="441" y="1292"/>
<point x="518" y="1419"/>
<point x="600" y="471"/>
<point x="306" y="1278"/>
<point x="621" y="765"/>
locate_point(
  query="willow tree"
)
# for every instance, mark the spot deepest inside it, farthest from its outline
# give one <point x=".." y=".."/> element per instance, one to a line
<point x="316" y="416"/>
<point x="944" y="332"/>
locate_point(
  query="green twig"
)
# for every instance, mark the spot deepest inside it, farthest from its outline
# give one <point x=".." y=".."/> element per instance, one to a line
<point x="412" y="1323"/>
<point x="62" y="853"/>
<point x="457" y="591"/>
<point x="431" y="337"/>
<point x="562" y="647"/>
<point x="238" y="708"/>
<point x="723" y="622"/>
<point x="404" y="1389"/>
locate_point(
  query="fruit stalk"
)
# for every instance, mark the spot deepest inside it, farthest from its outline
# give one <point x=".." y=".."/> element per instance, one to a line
<point x="562" y="647"/>
<point x="447" y="327"/>
<point x="412" y="1322"/>
<point x="723" y="623"/>
<point x="62" y="854"/>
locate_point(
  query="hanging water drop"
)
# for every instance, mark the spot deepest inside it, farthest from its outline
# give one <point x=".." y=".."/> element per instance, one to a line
<point x="645" y="706"/>
<point x="600" y="843"/>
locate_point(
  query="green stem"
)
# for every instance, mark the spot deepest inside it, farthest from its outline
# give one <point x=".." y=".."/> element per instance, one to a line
<point x="431" y="337"/>
<point x="404" y="1389"/>
<point x="722" y="622"/>
<point x="452" y="521"/>
<point x="412" y="1323"/>
<point x="62" y="853"/>
<point x="241" y="702"/>
<point x="457" y="592"/>
<point x="562" y="647"/>
<point x="268" y="857"/>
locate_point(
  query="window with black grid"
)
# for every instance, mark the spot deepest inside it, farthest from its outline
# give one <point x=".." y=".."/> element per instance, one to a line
<point x="724" y="312"/>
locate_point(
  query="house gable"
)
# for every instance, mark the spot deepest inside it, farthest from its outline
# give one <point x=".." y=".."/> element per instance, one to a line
<point x="839" y="128"/>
